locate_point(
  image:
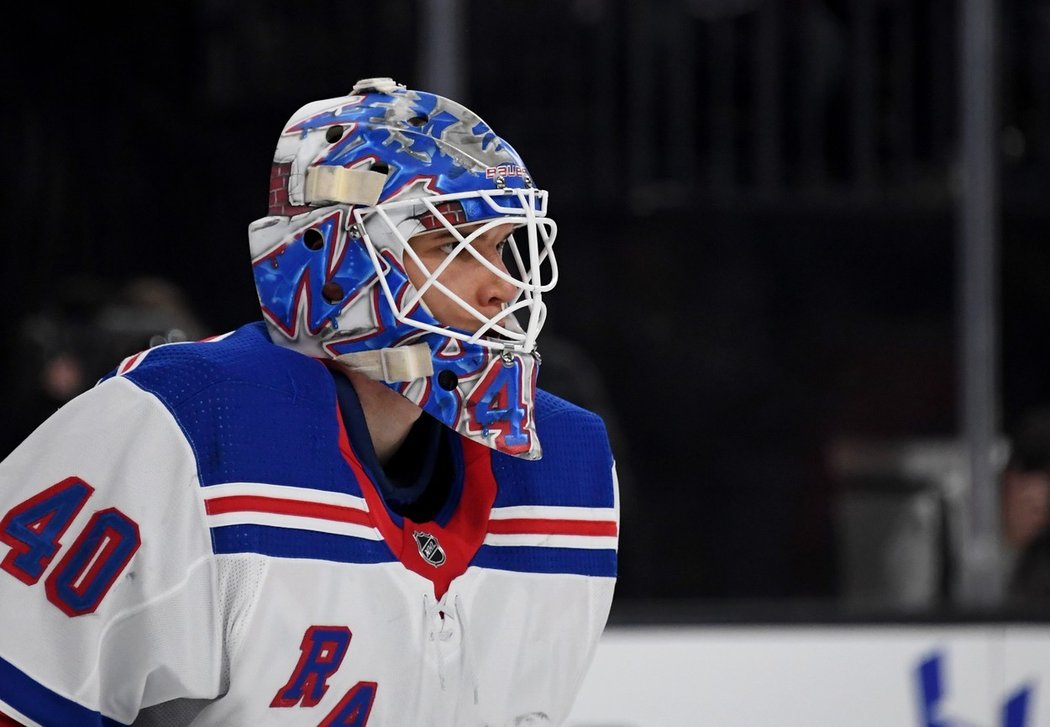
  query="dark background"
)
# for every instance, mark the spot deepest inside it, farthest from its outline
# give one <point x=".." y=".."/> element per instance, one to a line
<point x="756" y="201"/>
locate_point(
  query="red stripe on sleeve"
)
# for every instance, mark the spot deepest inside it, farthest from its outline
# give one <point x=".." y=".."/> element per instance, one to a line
<point x="524" y="526"/>
<point x="254" y="503"/>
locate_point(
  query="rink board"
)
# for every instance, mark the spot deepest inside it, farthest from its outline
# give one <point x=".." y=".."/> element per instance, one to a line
<point x="807" y="676"/>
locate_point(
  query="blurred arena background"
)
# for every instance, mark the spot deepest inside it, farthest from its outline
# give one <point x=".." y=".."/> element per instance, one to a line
<point x="805" y="265"/>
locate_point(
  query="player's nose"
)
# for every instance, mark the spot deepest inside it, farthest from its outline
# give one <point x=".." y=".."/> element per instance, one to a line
<point x="494" y="291"/>
<point x="495" y="288"/>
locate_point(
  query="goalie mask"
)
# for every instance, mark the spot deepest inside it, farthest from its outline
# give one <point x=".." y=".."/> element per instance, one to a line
<point x="354" y="180"/>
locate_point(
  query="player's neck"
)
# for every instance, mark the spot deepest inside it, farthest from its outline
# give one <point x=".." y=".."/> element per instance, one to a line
<point x="388" y="415"/>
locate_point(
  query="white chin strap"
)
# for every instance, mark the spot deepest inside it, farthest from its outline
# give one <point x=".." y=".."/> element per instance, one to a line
<point x="392" y="365"/>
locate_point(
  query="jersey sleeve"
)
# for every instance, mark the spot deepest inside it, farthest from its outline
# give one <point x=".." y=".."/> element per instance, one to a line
<point x="107" y="583"/>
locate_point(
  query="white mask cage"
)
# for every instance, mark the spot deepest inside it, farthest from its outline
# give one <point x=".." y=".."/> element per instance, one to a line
<point x="528" y="264"/>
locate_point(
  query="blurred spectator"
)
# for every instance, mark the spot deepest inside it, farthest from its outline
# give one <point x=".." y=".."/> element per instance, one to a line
<point x="83" y="332"/>
<point x="1031" y="578"/>
<point x="1025" y="508"/>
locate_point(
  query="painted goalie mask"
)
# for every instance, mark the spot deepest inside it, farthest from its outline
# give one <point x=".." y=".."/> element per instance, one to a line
<point x="353" y="180"/>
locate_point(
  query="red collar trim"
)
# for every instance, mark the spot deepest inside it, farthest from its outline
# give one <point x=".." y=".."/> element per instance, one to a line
<point x="459" y="539"/>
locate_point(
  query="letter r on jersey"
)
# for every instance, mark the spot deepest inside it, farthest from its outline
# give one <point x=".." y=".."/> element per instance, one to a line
<point x="323" y="649"/>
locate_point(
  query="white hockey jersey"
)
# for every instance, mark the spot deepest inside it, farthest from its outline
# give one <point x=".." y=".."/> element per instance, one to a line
<point x="196" y="541"/>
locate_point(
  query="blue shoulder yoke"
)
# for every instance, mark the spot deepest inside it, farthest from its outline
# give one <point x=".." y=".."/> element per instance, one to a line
<point x="251" y="410"/>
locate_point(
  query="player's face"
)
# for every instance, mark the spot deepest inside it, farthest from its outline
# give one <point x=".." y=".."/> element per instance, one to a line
<point x="465" y="276"/>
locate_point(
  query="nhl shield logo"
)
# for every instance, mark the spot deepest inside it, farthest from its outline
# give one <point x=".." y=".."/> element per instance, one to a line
<point x="429" y="548"/>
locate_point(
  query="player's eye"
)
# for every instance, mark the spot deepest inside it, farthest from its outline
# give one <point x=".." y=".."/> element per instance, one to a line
<point x="448" y="247"/>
